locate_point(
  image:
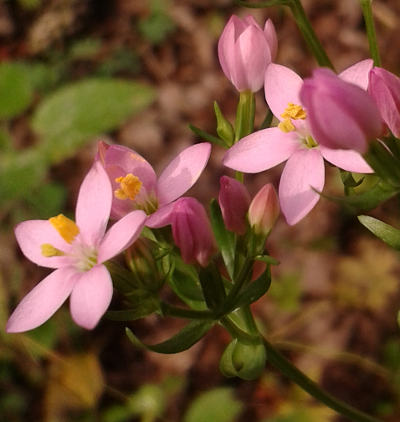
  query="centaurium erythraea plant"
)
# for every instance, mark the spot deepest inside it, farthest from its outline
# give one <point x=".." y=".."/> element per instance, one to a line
<point x="301" y="141"/>
<point x="77" y="252"/>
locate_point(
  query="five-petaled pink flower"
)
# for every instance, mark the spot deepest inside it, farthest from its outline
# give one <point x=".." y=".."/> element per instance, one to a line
<point x="77" y="252"/>
<point x="292" y="140"/>
<point x="245" y="51"/>
<point x="135" y="184"/>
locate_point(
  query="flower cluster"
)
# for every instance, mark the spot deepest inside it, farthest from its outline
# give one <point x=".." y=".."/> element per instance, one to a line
<point x="327" y="116"/>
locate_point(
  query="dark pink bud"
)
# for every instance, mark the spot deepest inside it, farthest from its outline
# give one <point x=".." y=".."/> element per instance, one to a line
<point x="384" y="88"/>
<point x="234" y="200"/>
<point x="245" y="51"/>
<point x="340" y="114"/>
<point x="264" y="210"/>
<point x="192" y="232"/>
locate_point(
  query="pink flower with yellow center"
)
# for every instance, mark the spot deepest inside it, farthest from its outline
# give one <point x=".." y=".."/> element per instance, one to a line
<point x="136" y="186"/>
<point x="295" y="139"/>
<point x="77" y="252"/>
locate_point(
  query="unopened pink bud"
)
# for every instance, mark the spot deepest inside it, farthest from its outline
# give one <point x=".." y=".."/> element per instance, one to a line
<point x="272" y="38"/>
<point x="191" y="230"/>
<point x="341" y="115"/>
<point x="244" y="51"/>
<point x="384" y="88"/>
<point x="234" y="200"/>
<point x="264" y="210"/>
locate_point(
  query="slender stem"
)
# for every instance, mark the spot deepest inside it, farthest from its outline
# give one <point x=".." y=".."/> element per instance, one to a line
<point x="370" y="26"/>
<point x="277" y="360"/>
<point x="174" y="311"/>
<point x="308" y="34"/>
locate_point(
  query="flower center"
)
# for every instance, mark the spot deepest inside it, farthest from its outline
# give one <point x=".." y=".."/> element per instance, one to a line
<point x="292" y="112"/>
<point x="67" y="228"/>
<point x="130" y="186"/>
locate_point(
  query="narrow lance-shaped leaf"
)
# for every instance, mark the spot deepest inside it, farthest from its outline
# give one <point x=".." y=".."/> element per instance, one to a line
<point x="212" y="286"/>
<point x="185" y="339"/>
<point x="385" y="232"/>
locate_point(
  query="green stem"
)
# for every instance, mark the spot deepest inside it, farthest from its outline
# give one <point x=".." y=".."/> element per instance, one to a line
<point x="174" y="311"/>
<point x="308" y="34"/>
<point x="369" y="24"/>
<point x="244" y="124"/>
<point x="277" y="360"/>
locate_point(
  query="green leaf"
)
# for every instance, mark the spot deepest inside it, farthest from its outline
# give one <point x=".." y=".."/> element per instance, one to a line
<point x="15" y="90"/>
<point x="365" y="201"/>
<point x="217" y="405"/>
<point x="73" y="115"/>
<point x="385" y="232"/>
<point x="206" y="136"/>
<point x="224" y="237"/>
<point x="255" y="289"/>
<point x="144" y="307"/>
<point x="186" y="338"/>
<point x="212" y="286"/>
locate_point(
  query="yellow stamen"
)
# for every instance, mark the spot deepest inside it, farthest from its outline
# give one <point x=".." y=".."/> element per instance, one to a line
<point x="286" y="126"/>
<point x="130" y="186"/>
<point x="49" y="250"/>
<point x="65" y="227"/>
<point x="294" y="111"/>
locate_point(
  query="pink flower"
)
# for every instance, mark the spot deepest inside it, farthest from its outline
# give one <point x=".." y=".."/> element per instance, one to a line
<point x="234" y="200"/>
<point x="135" y="183"/>
<point x="340" y="114"/>
<point x="192" y="232"/>
<point x="245" y="51"/>
<point x="293" y="140"/>
<point x="384" y="88"/>
<point x="77" y="251"/>
<point x="264" y="210"/>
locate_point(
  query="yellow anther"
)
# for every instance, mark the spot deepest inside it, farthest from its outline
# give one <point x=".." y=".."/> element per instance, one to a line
<point x="65" y="227"/>
<point x="130" y="186"/>
<point x="294" y="111"/>
<point x="49" y="250"/>
<point x="286" y="126"/>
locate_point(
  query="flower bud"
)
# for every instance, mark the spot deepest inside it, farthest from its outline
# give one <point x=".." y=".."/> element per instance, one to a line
<point x="191" y="230"/>
<point x="245" y="51"/>
<point x="341" y="115"/>
<point x="234" y="200"/>
<point x="264" y="210"/>
<point x="384" y="88"/>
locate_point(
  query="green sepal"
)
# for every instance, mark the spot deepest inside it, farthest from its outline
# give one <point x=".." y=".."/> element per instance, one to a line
<point x="224" y="129"/>
<point x="212" y="286"/>
<point x="181" y="341"/>
<point x="267" y="259"/>
<point x="207" y="136"/>
<point x="385" y="232"/>
<point x="255" y="289"/>
<point x="244" y="123"/>
<point x="225" y="238"/>
<point x="225" y="364"/>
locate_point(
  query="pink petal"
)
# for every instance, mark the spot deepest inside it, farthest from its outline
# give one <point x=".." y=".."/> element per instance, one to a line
<point x="346" y="159"/>
<point x="282" y="86"/>
<point x="358" y="73"/>
<point x="32" y="234"/>
<point x="161" y="217"/>
<point x="129" y="161"/>
<point x="303" y="171"/>
<point x="272" y="39"/>
<point x="182" y="172"/>
<point x="261" y="150"/>
<point x="250" y="41"/>
<point x="226" y="47"/>
<point x="91" y="297"/>
<point x="42" y="301"/>
<point x="121" y="235"/>
<point x="94" y="204"/>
